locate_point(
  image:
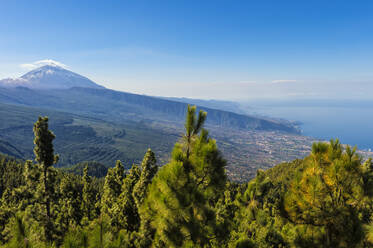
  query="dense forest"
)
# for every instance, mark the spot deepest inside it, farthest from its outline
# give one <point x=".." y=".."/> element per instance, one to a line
<point x="323" y="200"/>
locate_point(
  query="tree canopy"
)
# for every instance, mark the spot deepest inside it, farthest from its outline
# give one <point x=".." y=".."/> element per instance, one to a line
<point x="322" y="200"/>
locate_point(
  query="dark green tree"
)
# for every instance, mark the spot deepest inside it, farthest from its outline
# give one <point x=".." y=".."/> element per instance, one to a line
<point x="110" y="198"/>
<point x="19" y="234"/>
<point x="45" y="157"/>
<point x="112" y="187"/>
<point x="148" y="169"/>
<point x="88" y="196"/>
<point x="69" y="205"/>
<point x="179" y="202"/>
<point x="127" y="217"/>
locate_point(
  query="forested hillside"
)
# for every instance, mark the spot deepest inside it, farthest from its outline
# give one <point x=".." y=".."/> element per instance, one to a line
<point x="323" y="200"/>
<point x="98" y="124"/>
<point x="84" y="138"/>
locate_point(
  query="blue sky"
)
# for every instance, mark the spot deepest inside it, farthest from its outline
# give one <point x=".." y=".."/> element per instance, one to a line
<point x="236" y="50"/>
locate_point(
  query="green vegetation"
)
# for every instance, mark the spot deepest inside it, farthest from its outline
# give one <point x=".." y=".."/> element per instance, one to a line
<point x="104" y="139"/>
<point x="323" y="200"/>
<point x="82" y="138"/>
<point x="95" y="169"/>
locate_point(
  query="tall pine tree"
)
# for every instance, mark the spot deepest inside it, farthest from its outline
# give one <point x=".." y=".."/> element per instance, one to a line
<point x="44" y="155"/>
<point x="148" y="169"/>
<point x="88" y="196"/>
<point x="127" y="215"/>
<point x="180" y="197"/>
<point x="111" y="192"/>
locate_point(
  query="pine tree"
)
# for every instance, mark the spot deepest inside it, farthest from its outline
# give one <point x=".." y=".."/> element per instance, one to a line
<point x="76" y="237"/>
<point x="112" y="186"/>
<point x="16" y="197"/>
<point x="325" y="195"/>
<point x="69" y="205"/>
<point x="110" y="197"/>
<point x="19" y="234"/>
<point x="100" y="235"/>
<point x="127" y="215"/>
<point x="88" y="196"/>
<point x="44" y="155"/>
<point x="179" y="200"/>
<point x="148" y="169"/>
<point x="225" y="210"/>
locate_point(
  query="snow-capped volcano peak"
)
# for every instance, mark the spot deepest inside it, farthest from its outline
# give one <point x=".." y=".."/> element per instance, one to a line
<point x="45" y="70"/>
<point x="50" y="76"/>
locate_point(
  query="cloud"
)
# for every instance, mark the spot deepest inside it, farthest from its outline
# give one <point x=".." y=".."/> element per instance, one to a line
<point x="39" y="63"/>
<point x="283" y="81"/>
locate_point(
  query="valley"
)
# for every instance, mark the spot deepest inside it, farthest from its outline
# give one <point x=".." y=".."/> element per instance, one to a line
<point x="81" y="138"/>
<point x="93" y="123"/>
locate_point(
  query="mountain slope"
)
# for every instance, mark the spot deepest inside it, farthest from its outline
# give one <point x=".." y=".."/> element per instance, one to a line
<point x="98" y="124"/>
<point x="56" y="88"/>
<point x="80" y="138"/>
<point x="229" y="106"/>
<point x="50" y="77"/>
<point x="118" y="106"/>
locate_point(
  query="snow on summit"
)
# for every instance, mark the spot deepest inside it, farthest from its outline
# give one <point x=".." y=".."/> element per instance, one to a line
<point x="50" y="76"/>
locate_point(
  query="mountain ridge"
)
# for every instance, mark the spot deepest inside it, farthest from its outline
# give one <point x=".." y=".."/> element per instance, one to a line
<point x="118" y="106"/>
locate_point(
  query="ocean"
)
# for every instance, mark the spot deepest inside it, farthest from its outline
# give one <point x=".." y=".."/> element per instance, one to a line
<point x="350" y="121"/>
